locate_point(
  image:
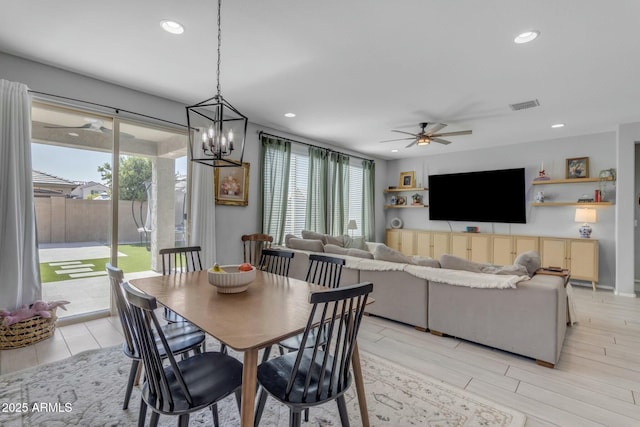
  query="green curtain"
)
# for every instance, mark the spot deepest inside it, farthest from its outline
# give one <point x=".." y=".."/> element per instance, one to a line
<point x="316" y="211"/>
<point x="368" y="200"/>
<point x="339" y="194"/>
<point x="276" y="159"/>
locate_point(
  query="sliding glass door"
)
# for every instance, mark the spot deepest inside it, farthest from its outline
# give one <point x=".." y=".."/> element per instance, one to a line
<point x="90" y="210"/>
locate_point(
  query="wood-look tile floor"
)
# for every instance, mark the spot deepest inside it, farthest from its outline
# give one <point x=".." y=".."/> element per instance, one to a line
<point x="595" y="383"/>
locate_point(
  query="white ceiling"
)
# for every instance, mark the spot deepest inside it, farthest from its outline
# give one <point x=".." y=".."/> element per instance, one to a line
<point x="353" y="70"/>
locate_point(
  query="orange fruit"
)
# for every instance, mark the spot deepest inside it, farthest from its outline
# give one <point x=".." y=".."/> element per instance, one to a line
<point x="245" y="267"/>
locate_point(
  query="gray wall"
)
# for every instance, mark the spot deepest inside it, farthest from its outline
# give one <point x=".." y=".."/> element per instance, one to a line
<point x="544" y="221"/>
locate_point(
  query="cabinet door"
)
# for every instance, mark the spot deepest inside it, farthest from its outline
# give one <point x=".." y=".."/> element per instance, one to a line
<point x="480" y="247"/>
<point x="423" y="243"/>
<point x="524" y="244"/>
<point x="583" y="259"/>
<point x="407" y="242"/>
<point x="393" y="239"/>
<point x="553" y="252"/>
<point x="441" y="244"/>
<point x="460" y="245"/>
<point x="502" y="250"/>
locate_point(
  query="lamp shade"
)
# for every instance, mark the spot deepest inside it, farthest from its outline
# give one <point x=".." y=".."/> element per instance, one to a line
<point x="352" y="225"/>
<point x="585" y="215"/>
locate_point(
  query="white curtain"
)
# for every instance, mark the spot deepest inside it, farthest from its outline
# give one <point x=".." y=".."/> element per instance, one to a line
<point x="19" y="261"/>
<point x="203" y="213"/>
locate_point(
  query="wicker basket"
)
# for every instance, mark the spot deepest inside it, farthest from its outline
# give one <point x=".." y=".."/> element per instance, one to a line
<point x="27" y="332"/>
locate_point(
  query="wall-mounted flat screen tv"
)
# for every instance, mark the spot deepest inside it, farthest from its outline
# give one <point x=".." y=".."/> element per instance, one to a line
<point x="487" y="196"/>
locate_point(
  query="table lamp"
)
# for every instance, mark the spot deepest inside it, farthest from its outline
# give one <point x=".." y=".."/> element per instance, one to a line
<point x="585" y="216"/>
<point x="352" y="226"/>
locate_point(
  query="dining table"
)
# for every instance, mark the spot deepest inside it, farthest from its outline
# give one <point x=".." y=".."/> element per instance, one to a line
<point x="272" y="309"/>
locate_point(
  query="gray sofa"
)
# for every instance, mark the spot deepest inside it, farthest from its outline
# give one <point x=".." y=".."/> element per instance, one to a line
<point x="529" y="320"/>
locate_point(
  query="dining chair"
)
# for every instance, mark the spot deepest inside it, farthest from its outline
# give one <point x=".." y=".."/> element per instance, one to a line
<point x="322" y="270"/>
<point x="182" y="337"/>
<point x="178" y="260"/>
<point x="314" y="375"/>
<point x="184" y="386"/>
<point x="252" y="246"/>
<point x="276" y="261"/>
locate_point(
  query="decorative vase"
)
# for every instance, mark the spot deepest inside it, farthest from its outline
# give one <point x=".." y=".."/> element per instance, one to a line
<point x="540" y="197"/>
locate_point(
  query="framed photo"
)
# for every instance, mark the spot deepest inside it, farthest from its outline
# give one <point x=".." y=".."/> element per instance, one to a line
<point x="401" y="201"/>
<point x="407" y="179"/>
<point x="578" y="167"/>
<point x="232" y="185"/>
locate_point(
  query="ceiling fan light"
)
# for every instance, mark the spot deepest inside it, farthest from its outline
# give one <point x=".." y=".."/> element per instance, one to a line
<point x="423" y="141"/>
<point x="172" y="27"/>
<point x="526" y="37"/>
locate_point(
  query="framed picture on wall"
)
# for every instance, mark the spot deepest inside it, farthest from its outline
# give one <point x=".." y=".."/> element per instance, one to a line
<point x="232" y="185"/>
<point x="407" y="179"/>
<point x="577" y="167"/>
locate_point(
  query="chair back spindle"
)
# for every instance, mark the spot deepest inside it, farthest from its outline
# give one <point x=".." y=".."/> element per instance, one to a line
<point x="180" y="260"/>
<point x="324" y="270"/>
<point x="276" y="261"/>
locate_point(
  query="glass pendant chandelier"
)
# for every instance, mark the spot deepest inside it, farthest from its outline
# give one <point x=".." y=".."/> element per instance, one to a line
<point x="217" y="130"/>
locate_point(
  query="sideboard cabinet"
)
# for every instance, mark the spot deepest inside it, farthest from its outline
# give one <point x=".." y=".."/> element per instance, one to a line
<point x="580" y="256"/>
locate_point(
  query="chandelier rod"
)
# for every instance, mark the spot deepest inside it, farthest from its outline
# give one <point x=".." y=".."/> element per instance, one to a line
<point x="219" y="43"/>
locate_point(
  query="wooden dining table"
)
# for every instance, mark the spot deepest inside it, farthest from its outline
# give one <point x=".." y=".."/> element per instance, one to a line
<point x="272" y="309"/>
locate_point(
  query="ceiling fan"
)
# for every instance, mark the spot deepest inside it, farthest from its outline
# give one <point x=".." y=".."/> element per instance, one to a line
<point x="424" y="137"/>
<point x="93" y="125"/>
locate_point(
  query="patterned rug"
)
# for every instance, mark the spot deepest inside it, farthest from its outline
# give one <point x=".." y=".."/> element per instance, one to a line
<point x="87" y="390"/>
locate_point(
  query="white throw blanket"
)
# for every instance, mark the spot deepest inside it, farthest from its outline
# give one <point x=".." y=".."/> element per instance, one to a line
<point x="450" y="277"/>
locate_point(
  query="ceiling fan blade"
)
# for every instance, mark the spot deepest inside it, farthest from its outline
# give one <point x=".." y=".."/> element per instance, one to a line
<point x="86" y="126"/>
<point x="436" y="128"/>
<point x="105" y="130"/>
<point x="462" y="132"/>
<point x="400" y="139"/>
<point x="401" y="131"/>
<point x="440" y="140"/>
<point x="413" y="143"/>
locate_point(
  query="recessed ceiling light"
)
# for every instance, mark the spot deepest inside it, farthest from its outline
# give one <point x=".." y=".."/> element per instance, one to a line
<point x="526" y="37"/>
<point x="558" y="125"/>
<point x="73" y="134"/>
<point x="172" y="27"/>
<point x="290" y="115"/>
<point x="394" y="151"/>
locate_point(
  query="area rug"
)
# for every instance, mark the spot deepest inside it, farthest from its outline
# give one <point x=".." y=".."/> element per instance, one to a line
<point x="87" y="390"/>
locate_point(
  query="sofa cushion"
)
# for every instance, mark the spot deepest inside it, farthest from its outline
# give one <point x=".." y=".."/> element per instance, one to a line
<point x="511" y="270"/>
<point x="312" y="235"/>
<point x="385" y="253"/>
<point x="530" y="260"/>
<point x="335" y="240"/>
<point x="287" y="238"/>
<point x="452" y="262"/>
<point x="356" y="242"/>
<point x="358" y="253"/>
<point x="305" y="244"/>
<point x="425" y="261"/>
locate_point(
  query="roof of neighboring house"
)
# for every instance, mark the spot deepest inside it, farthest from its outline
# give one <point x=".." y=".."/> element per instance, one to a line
<point x="43" y="178"/>
<point x="90" y="184"/>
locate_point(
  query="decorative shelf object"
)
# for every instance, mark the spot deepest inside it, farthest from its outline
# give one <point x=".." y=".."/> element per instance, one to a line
<point x="570" y="181"/>
<point x="572" y="204"/>
<point x="401" y="190"/>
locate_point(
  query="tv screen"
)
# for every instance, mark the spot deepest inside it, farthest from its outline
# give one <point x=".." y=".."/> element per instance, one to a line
<point x="488" y="196"/>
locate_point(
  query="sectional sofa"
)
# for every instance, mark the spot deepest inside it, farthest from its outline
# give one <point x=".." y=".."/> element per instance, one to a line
<point x="526" y="316"/>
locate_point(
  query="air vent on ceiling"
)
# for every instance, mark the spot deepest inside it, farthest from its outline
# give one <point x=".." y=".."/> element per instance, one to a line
<point x="524" y="105"/>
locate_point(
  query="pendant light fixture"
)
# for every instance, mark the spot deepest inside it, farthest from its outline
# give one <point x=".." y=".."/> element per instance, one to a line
<point x="217" y="130"/>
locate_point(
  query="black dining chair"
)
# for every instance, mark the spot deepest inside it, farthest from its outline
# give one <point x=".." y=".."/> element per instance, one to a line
<point x="182" y="337"/>
<point x="253" y="245"/>
<point x="179" y="260"/>
<point x="322" y="270"/>
<point x="184" y="386"/>
<point x="316" y="374"/>
<point x="276" y="261"/>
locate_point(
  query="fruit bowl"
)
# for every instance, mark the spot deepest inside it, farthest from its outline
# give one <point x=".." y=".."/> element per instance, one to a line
<point x="231" y="281"/>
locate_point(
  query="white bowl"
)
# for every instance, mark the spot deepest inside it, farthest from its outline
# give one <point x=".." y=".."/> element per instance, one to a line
<point x="233" y="281"/>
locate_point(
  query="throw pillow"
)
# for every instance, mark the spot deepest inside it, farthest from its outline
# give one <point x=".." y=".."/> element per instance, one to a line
<point x="356" y="242"/>
<point x="530" y="260"/>
<point x="306" y="234"/>
<point x="335" y="249"/>
<point x="287" y="238"/>
<point x="385" y="253"/>
<point x="334" y="240"/>
<point x="456" y="263"/>
<point x="339" y="250"/>
<point x="425" y="261"/>
<point x="359" y="253"/>
<point x="306" y="245"/>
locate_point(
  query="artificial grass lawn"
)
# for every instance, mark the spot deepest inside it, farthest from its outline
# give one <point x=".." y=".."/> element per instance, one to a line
<point x="137" y="259"/>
